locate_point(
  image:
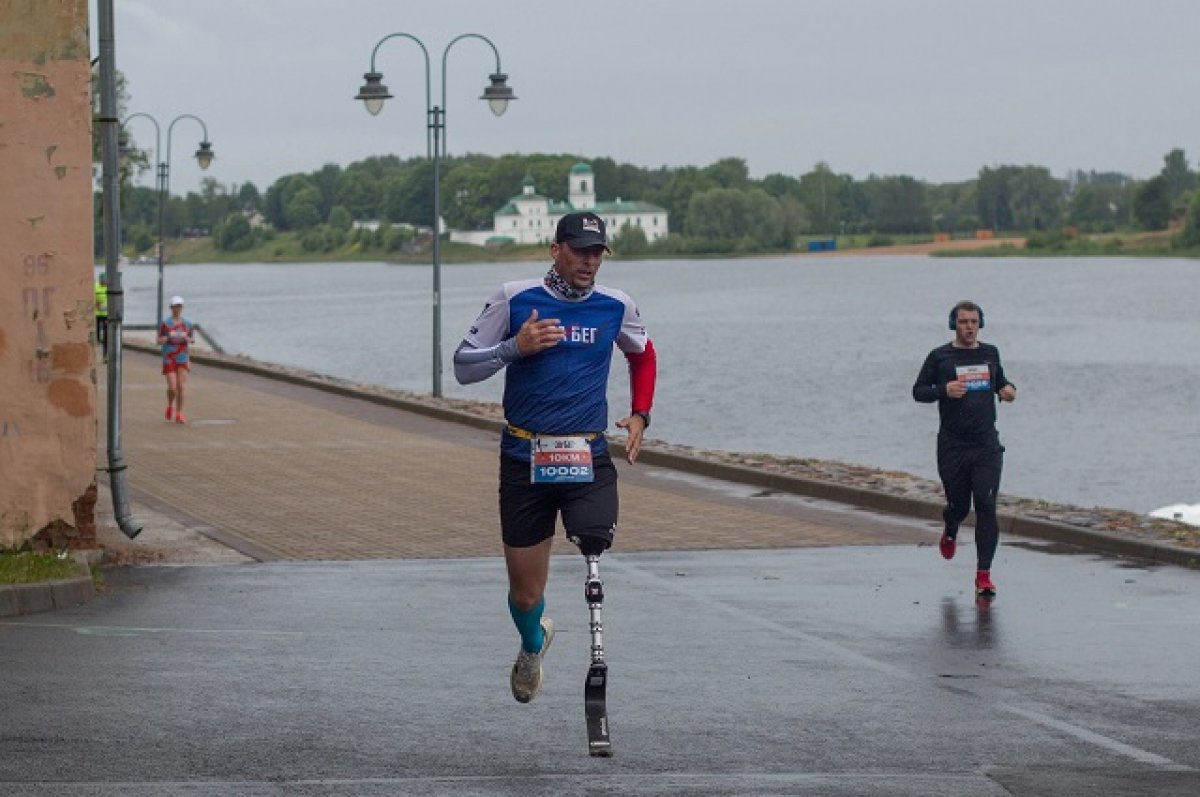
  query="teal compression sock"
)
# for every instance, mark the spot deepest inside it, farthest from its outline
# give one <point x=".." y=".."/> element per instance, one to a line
<point x="529" y="624"/>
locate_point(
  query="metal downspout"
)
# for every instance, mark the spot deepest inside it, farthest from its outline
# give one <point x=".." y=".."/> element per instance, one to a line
<point x="111" y="179"/>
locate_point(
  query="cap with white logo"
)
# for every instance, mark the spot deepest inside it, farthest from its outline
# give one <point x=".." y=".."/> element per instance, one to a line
<point x="581" y="230"/>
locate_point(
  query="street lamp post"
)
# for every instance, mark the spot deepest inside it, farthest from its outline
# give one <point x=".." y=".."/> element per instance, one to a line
<point x="204" y="156"/>
<point x="498" y="94"/>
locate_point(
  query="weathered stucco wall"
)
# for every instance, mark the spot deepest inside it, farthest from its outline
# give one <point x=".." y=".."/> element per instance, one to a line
<point x="47" y="361"/>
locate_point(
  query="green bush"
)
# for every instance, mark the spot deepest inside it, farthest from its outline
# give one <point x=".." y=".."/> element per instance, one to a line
<point x="1191" y="227"/>
<point x="339" y="218"/>
<point x="630" y="241"/>
<point x="140" y="237"/>
<point x="313" y="239"/>
<point x="235" y="234"/>
<point x="396" y="237"/>
<point x="1046" y="241"/>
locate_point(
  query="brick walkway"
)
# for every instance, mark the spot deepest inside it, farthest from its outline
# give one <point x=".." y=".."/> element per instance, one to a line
<point x="281" y="471"/>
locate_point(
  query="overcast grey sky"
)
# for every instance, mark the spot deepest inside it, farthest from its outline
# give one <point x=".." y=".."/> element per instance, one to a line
<point x="931" y="88"/>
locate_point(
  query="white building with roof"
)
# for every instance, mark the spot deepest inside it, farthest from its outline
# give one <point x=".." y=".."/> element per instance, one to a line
<point x="530" y="218"/>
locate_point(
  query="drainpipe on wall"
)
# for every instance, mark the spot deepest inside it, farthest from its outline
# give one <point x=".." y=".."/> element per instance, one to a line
<point x="111" y="179"/>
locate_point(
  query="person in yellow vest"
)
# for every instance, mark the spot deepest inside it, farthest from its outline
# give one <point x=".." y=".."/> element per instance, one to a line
<point x="102" y="313"/>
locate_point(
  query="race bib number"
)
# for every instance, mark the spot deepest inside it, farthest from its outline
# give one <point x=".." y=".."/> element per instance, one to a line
<point x="560" y="459"/>
<point x="974" y="377"/>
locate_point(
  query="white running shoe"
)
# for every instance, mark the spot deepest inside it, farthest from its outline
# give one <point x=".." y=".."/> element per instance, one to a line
<point x="526" y="678"/>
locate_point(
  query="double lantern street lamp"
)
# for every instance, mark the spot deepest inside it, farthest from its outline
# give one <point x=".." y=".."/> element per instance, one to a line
<point x="373" y="93"/>
<point x="203" y="155"/>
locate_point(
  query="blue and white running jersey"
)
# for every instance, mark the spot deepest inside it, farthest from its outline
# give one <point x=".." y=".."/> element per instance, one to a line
<point x="563" y="389"/>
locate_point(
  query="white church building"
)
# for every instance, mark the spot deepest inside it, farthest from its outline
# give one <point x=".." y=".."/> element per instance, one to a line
<point x="530" y="218"/>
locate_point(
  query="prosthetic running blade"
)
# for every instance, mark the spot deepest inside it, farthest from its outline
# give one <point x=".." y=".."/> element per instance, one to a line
<point x="596" y="710"/>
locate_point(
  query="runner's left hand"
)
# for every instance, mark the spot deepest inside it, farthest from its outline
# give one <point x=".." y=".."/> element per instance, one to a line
<point x="636" y="426"/>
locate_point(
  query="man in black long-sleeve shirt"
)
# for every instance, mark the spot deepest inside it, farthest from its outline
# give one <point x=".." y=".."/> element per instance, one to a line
<point x="962" y="376"/>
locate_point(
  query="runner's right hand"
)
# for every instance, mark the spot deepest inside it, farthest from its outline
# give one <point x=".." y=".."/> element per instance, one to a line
<point x="535" y="335"/>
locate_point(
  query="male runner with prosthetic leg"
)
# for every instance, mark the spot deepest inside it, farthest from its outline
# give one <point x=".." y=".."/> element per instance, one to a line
<point x="962" y="376"/>
<point x="555" y="336"/>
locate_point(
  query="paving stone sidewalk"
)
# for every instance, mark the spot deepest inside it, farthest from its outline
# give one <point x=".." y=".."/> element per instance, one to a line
<point x="283" y="471"/>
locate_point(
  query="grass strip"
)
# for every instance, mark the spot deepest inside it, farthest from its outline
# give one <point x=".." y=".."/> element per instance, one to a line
<point x="26" y="567"/>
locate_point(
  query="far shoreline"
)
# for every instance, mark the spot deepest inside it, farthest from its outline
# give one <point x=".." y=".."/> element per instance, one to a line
<point x="194" y="251"/>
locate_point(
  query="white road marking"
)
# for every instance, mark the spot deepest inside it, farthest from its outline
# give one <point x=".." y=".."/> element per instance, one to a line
<point x="1083" y="734"/>
<point x="124" y="630"/>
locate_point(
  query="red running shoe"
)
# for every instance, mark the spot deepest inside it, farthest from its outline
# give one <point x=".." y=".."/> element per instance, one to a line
<point x="180" y="419"/>
<point x="170" y="413"/>
<point x="947" y="545"/>
<point x="984" y="587"/>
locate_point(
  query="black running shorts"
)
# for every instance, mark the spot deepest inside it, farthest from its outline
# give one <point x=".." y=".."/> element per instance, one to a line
<point x="528" y="511"/>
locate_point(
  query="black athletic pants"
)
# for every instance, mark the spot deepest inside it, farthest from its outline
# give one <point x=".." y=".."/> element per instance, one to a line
<point x="972" y="473"/>
<point x="102" y="333"/>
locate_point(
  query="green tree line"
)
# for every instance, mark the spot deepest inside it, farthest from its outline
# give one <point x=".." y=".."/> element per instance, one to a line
<point x="713" y="209"/>
<point x="720" y="208"/>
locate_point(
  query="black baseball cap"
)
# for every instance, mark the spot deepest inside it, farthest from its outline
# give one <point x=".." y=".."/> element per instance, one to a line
<point x="581" y="230"/>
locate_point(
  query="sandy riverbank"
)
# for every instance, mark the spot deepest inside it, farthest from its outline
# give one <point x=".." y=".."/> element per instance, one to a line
<point x="928" y="248"/>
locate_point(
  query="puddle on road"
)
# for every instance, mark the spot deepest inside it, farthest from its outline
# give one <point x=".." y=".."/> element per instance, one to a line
<point x="1063" y="549"/>
<point x="1055" y="548"/>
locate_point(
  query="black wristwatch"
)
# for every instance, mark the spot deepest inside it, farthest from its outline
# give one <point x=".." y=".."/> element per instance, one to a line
<point x="645" y="416"/>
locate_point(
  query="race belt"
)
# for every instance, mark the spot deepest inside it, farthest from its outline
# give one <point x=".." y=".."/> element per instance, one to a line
<point x="558" y="459"/>
<point x="525" y="434"/>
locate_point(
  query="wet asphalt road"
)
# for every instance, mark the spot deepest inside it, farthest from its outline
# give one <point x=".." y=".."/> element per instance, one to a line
<point x="836" y="671"/>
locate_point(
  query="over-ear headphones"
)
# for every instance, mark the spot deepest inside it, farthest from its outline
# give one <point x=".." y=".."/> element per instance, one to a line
<point x="954" y="317"/>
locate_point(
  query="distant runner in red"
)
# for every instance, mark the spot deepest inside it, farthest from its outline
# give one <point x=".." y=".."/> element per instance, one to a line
<point x="964" y="377"/>
<point x="175" y="334"/>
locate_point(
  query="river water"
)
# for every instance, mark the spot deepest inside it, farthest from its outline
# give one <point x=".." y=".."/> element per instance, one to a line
<point x="802" y="356"/>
